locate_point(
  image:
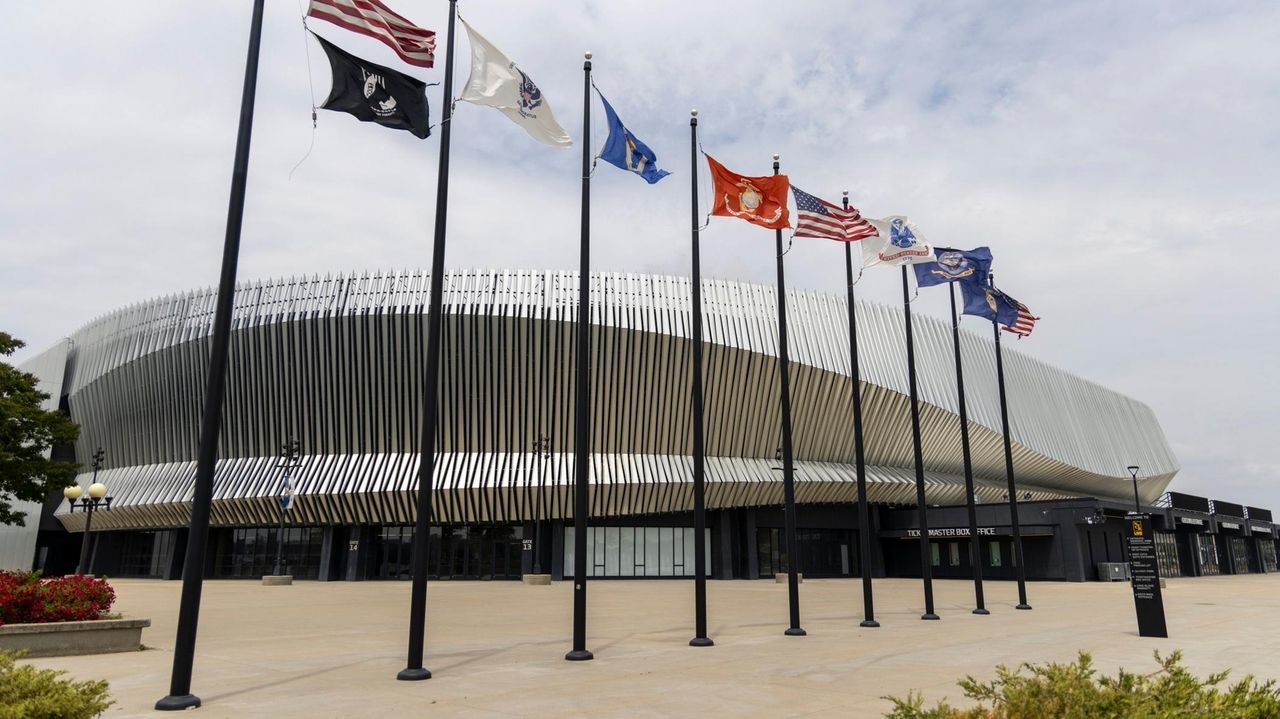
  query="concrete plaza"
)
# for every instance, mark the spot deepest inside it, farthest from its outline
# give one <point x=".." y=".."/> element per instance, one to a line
<point x="333" y="649"/>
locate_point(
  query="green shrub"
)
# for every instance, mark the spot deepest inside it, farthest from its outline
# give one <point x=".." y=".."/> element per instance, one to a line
<point x="27" y="692"/>
<point x="1075" y="691"/>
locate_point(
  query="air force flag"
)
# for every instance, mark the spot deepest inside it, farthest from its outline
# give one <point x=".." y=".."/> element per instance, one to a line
<point x="965" y="266"/>
<point x="624" y="151"/>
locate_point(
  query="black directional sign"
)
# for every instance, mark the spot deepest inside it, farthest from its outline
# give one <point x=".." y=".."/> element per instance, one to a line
<point x="1145" y="577"/>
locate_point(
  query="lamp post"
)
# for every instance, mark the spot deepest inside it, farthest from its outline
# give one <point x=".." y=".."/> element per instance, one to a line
<point x="97" y="495"/>
<point x="541" y="451"/>
<point x="290" y="459"/>
<point x="1133" y="471"/>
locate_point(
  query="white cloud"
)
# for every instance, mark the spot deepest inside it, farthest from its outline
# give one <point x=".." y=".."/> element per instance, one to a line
<point x="1118" y="158"/>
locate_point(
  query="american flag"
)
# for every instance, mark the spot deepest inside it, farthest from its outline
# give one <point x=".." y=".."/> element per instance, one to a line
<point x="1026" y="322"/>
<point x="825" y="221"/>
<point x="413" y="44"/>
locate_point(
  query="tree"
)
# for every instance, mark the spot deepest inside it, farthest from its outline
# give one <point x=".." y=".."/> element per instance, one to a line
<point x="27" y="433"/>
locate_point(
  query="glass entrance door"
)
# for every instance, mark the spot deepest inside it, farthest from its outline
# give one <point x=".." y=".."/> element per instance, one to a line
<point x="822" y="552"/>
<point x="485" y="552"/>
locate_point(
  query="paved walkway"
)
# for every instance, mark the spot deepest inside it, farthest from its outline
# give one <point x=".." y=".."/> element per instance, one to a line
<point x="496" y="648"/>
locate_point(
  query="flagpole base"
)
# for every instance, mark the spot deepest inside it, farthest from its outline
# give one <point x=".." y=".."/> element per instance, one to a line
<point x="410" y="674"/>
<point x="181" y="702"/>
<point x="579" y="655"/>
<point x="981" y="610"/>
<point x="1023" y="606"/>
<point x="701" y="642"/>
<point x="930" y="617"/>
<point x="796" y="632"/>
<point x="869" y="623"/>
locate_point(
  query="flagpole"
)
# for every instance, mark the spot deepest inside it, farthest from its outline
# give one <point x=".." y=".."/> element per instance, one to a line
<point x="582" y="393"/>
<point x="700" y="638"/>
<point x="414" y="670"/>
<point x="180" y="696"/>
<point x="788" y="466"/>
<point x="1008" y="468"/>
<point x="975" y="545"/>
<point x="859" y="448"/>
<point x="926" y="566"/>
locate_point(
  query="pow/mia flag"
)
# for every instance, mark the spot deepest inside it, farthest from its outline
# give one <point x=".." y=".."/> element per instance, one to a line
<point x="374" y="93"/>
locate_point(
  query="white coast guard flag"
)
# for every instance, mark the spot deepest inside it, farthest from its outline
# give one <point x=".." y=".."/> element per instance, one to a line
<point x="497" y="82"/>
<point x="898" y="242"/>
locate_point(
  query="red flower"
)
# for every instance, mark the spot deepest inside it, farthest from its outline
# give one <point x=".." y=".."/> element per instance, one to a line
<point x="27" y="598"/>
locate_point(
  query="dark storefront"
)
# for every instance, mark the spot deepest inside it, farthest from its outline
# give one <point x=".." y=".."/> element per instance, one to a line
<point x="1262" y="546"/>
<point x="1062" y="540"/>
<point x="1233" y="542"/>
<point x="1187" y="519"/>
<point x="483" y="552"/>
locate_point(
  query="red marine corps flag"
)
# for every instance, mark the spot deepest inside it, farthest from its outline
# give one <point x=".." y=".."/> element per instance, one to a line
<point x="758" y="200"/>
<point x="413" y="44"/>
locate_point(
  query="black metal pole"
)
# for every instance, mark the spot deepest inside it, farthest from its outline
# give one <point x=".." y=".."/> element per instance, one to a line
<point x="582" y="393"/>
<point x="414" y="669"/>
<point x="975" y="545"/>
<point x="88" y="506"/>
<point x="788" y="465"/>
<point x="88" y="520"/>
<point x="926" y="565"/>
<point x="1137" y="506"/>
<point x="859" y="448"/>
<point x="539" y="447"/>
<point x="1008" y="468"/>
<point x="280" y="533"/>
<point x="700" y="638"/>
<point x="180" y="696"/>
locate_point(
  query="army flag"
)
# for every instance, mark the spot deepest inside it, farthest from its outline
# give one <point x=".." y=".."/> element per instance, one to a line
<point x="983" y="300"/>
<point x="758" y="200"/>
<point x="373" y="93"/>
<point x="497" y="82"/>
<point x="624" y="151"/>
<point x="955" y="265"/>
<point x="897" y="242"/>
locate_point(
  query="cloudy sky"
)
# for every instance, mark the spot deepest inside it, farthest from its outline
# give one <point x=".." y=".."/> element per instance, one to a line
<point x="1119" y="158"/>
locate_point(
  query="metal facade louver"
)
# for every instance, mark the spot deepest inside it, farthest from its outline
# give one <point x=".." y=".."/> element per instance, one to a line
<point x="337" y="362"/>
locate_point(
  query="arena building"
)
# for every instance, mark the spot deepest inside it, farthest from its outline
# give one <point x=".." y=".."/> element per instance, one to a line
<point x="337" y="364"/>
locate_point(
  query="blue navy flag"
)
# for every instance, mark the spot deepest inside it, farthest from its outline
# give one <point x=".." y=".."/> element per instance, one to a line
<point x="286" y="496"/>
<point x="625" y="152"/>
<point x="983" y="300"/>
<point x="965" y="266"/>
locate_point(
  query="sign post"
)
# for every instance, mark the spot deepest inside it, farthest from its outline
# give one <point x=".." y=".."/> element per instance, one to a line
<point x="1145" y="577"/>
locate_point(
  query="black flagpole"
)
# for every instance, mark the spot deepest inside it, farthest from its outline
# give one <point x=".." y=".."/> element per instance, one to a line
<point x="859" y="456"/>
<point x="180" y="696"/>
<point x="788" y="466"/>
<point x="975" y="545"/>
<point x="582" y="393"/>
<point x="414" y="670"/>
<point x="926" y="565"/>
<point x="1008" y="468"/>
<point x="700" y="638"/>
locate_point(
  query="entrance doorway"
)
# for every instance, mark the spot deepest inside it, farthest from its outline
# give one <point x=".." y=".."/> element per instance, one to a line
<point x="480" y="552"/>
<point x="823" y="552"/>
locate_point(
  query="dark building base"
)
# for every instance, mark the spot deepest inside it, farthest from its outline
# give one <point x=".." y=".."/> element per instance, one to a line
<point x="1062" y="540"/>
